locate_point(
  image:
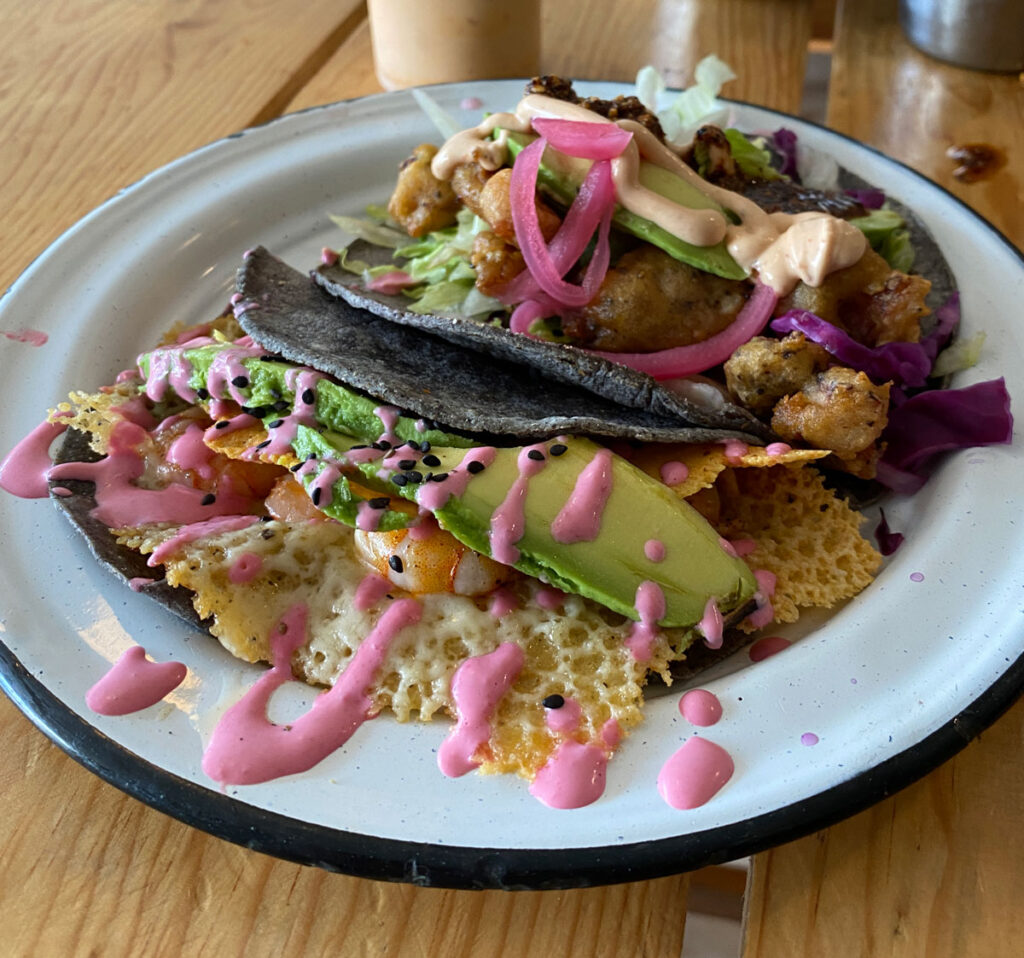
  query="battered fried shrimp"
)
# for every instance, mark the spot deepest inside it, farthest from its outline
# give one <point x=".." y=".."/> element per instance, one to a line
<point x="621" y="108"/>
<point x="870" y="300"/>
<point x="839" y="409"/>
<point x="495" y="261"/>
<point x="760" y="372"/>
<point x="650" y="301"/>
<point x="421" y="202"/>
<point x="487" y="195"/>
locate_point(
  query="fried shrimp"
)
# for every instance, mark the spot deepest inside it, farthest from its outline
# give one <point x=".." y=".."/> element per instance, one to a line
<point x="426" y="559"/>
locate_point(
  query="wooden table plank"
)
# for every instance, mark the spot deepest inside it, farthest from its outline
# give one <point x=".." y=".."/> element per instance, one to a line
<point x="764" y="40"/>
<point x="99" y="92"/>
<point x="934" y="870"/>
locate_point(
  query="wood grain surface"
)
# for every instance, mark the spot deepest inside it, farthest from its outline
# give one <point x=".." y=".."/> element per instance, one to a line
<point x="97" y="92"/>
<point x="935" y="870"/>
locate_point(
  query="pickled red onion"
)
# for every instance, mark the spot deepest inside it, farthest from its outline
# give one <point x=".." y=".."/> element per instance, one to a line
<point x="689" y="360"/>
<point x="588" y="141"/>
<point x="595" y="200"/>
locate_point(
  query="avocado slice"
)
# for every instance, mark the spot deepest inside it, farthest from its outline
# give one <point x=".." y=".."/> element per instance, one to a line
<point x="608" y="568"/>
<point x="560" y="176"/>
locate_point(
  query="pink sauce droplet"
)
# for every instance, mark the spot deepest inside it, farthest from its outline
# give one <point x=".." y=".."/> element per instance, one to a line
<point x="809" y="738"/>
<point x="137" y="583"/>
<point x="700" y="707"/>
<point x="565" y="719"/>
<point x="198" y="530"/>
<point x="24" y="469"/>
<point x="550" y="598"/>
<point x="580" y="518"/>
<point x="61" y="491"/>
<point x="778" y="448"/>
<point x="917" y="577"/>
<point x="33" y="337"/>
<point x="673" y="473"/>
<point x="245" y="568"/>
<point x="654" y="550"/>
<point x="650" y="606"/>
<point x="712" y="625"/>
<point x="767" y="647"/>
<point x="478" y="685"/>
<point x="134" y="683"/>
<point x="328" y="257"/>
<point x="470" y="103"/>
<point x="695" y="773"/>
<point x="391" y="283"/>
<point x="247" y="748"/>
<point x="574" y="776"/>
<point x="370" y="591"/>
<point x="502" y="602"/>
<point x="765" y="613"/>
<point x="508" y="521"/>
<point x="735" y="450"/>
<point x="611" y="733"/>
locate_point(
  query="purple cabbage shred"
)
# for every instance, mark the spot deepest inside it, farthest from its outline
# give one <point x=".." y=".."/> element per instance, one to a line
<point x="785" y="144"/>
<point x="888" y="541"/>
<point x="870" y="198"/>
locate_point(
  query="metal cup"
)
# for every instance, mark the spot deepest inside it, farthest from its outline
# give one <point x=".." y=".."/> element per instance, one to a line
<point x="980" y="34"/>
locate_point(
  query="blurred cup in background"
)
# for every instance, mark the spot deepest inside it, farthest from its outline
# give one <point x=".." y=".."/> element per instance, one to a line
<point x="980" y="34"/>
<point x="439" y="41"/>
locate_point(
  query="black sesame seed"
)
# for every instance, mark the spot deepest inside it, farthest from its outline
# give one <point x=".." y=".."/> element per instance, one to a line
<point x="475" y="466"/>
<point x="312" y="455"/>
<point x="208" y="500"/>
<point x="396" y="563"/>
<point x="282" y="405"/>
<point x="558" y="449"/>
<point x="400" y="479"/>
<point x="267" y="534"/>
<point x="263" y="445"/>
<point x="258" y="411"/>
<point x="379" y="502"/>
<point x="413" y="444"/>
<point x="362" y="446"/>
<point x="425" y="446"/>
<point x="382" y="444"/>
<point x="275" y="424"/>
<point x="536" y="455"/>
<point x="221" y="424"/>
<point x="240" y="381"/>
<point x="203" y="393"/>
<point x="309" y="397"/>
<point x="554" y="702"/>
<point x="431" y="460"/>
<point x="315" y="495"/>
<point x="414" y="476"/>
<point x="275" y="392"/>
<point x="439" y="476"/>
<point x="296" y="467"/>
<point x="406" y="463"/>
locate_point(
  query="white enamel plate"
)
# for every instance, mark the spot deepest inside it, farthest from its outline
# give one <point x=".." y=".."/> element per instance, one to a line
<point x="890" y="685"/>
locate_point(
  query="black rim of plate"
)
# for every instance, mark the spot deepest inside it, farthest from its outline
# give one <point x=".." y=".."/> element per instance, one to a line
<point x="427" y="864"/>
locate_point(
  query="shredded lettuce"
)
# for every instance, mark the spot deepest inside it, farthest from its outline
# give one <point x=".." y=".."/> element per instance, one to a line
<point x="963" y="354"/>
<point x="446" y="124"/>
<point x="692" y="107"/>
<point x="751" y="156"/>
<point x="371" y="230"/>
<point x="886" y="232"/>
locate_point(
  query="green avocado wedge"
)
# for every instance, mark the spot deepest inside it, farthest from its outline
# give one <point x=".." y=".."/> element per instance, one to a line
<point x="433" y="469"/>
<point x="560" y="176"/>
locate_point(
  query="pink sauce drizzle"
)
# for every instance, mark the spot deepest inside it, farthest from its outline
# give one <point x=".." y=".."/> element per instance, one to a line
<point x="245" y="568"/>
<point x="650" y="606"/>
<point x="611" y="733"/>
<point x="134" y="683"/>
<point x="367" y="518"/>
<point x="654" y="550"/>
<point x="247" y="748"/>
<point x="695" y="773"/>
<point x="743" y="547"/>
<point x="778" y="448"/>
<point x="502" y="602"/>
<point x="370" y="591"/>
<point x="765" y="613"/>
<point x="137" y="583"/>
<point x="24" y="469"/>
<point x="767" y="647"/>
<point x="508" y="522"/>
<point x="478" y="685"/>
<point x="33" y="337"/>
<point x="700" y="707"/>
<point x="136" y="411"/>
<point x="565" y="719"/>
<point x="121" y="503"/>
<point x="711" y="625"/>
<point x="580" y="518"/>
<point x="550" y="598"/>
<point x="735" y="450"/>
<point x="574" y="776"/>
<point x="673" y="473"/>
<point x="391" y="283"/>
<point x="198" y="530"/>
<point x="61" y="491"/>
<point x="424" y="529"/>
<point x="329" y="257"/>
<point x="388" y="415"/>
<point x="434" y="495"/>
<point x="189" y="451"/>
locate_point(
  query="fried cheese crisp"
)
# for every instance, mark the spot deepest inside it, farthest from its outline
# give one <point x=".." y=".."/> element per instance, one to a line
<point x="798" y="530"/>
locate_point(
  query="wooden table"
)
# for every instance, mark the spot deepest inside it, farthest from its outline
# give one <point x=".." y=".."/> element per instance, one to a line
<point x="93" y="94"/>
